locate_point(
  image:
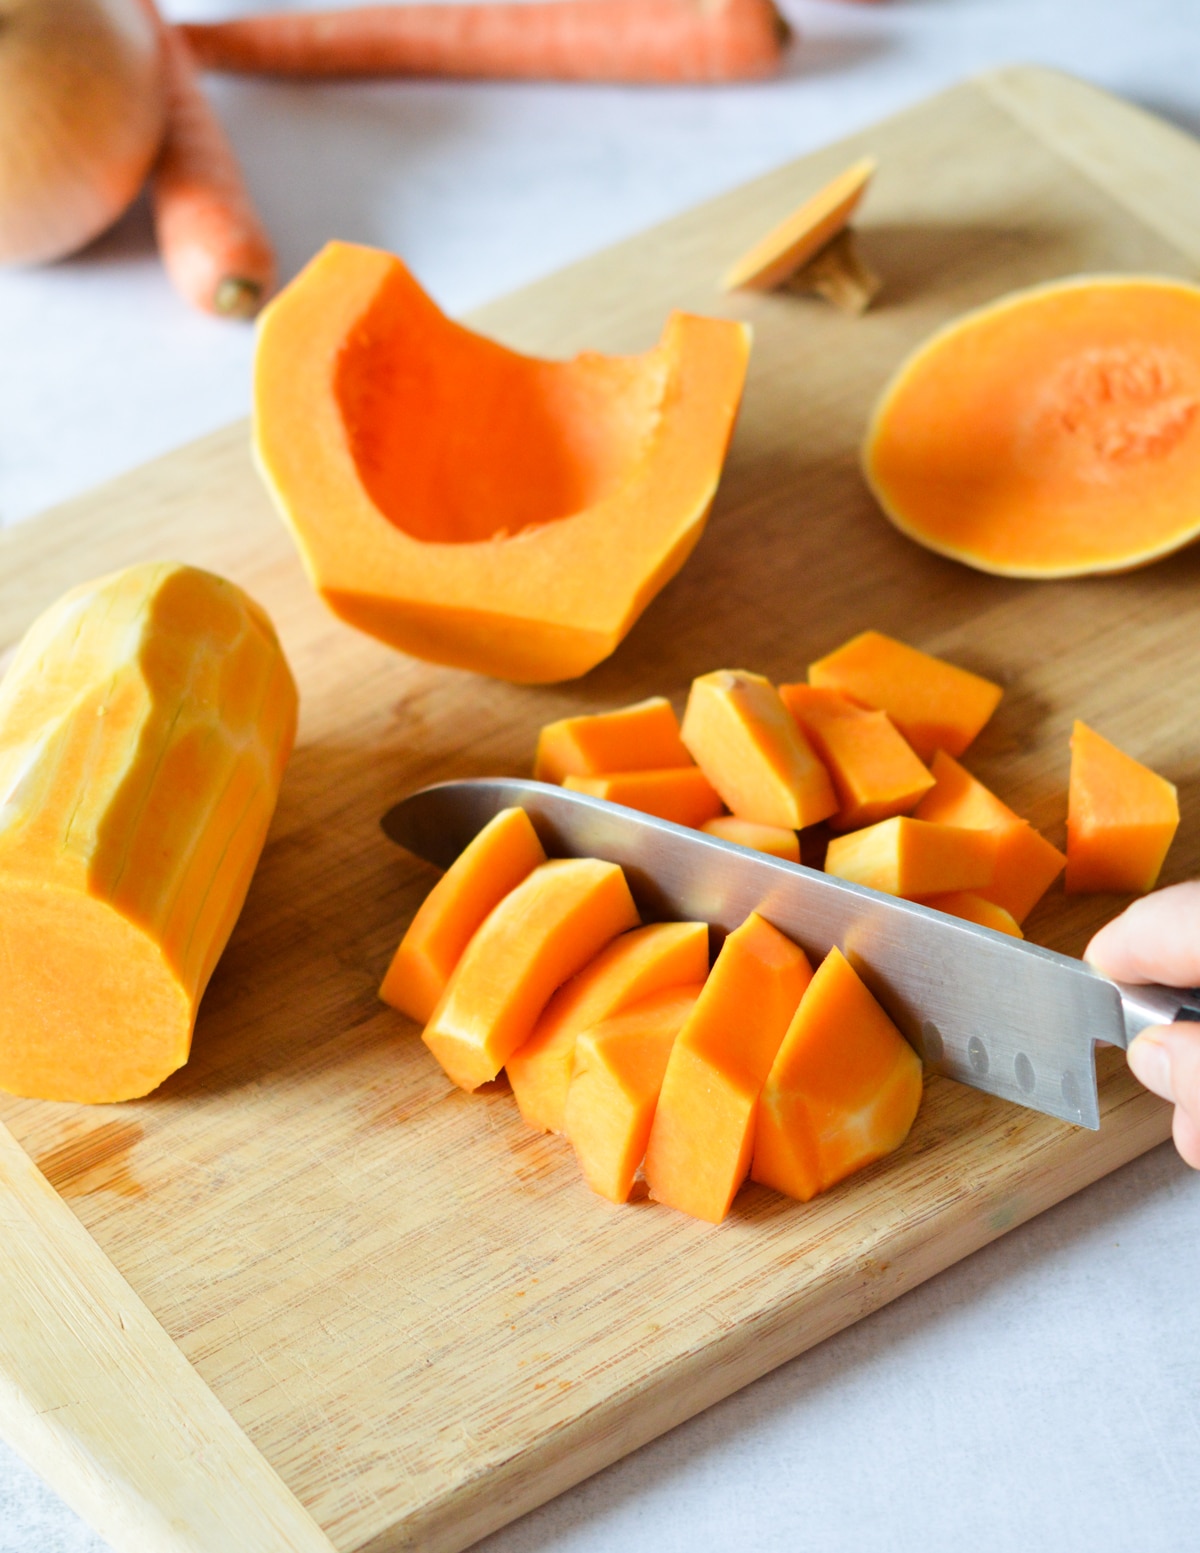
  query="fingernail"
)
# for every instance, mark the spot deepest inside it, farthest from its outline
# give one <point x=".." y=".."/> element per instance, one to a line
<point x="1151" y="1065"/>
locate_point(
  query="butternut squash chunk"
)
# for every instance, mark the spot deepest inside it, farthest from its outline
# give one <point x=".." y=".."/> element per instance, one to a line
<point x="504" y="852"/>
<point x="1052" y="433"/>
<point x="842" y="1091"/>
<point x="874" y="769"/>
<point x="914" y="858"/>
<point x="539" y="935"/>
<point x="145" y="724"/>
<point x="619" y="1067"/>
<point x="748" y="745"/>
<point x="976" y="908"/>
<point x="472" y="505"/>
<point x="1121" y="818"/>
<point x="772" y="839"/>
<point x="935" y="704"/>
<point x="642" y="737"/>
<point x="703" y="1131"/>
<point x="682" y="794"/>
<point x="637" y="965"/>
<point x="1026" y="863"/>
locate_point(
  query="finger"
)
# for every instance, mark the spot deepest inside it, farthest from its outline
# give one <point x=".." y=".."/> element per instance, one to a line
<point x="1186" y="1132"/>
<point x="1150" y="1062"/>
<point x="1156" y="939"/>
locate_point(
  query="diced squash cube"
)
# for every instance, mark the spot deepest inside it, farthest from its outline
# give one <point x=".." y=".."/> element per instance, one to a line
<point x="935" y="704"/>
<point x="619" y="1067"/>
<point x="1026" y="863"/>
<point x="773" y="839"/>
<point x="975" y="908"/>
<point x="914" y="858"/>
<point x="682" y="794"/>
<point x="540" y="935"/>
<point x="748" y="745"/>
<point x="1121" y="818"/>
<point x="843" y="1089"/>
<point x="637" y="965"/>
<point x="642" y="737"/>
<point x="494" y="862"/>
<point x="703" y="1132"/>
<point x="874" y="768"/>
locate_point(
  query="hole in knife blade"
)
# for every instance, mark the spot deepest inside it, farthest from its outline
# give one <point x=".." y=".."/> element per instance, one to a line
<point x="933" y="1048"/>
<point x="977" y="1055"/>
<point x="1026" y="1077"/>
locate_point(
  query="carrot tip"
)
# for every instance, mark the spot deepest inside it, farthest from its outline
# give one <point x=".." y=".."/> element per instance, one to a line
<point x="236" y="297"/>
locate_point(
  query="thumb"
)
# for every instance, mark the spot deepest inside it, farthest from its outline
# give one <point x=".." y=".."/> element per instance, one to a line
<point x="1166" y="1059"/>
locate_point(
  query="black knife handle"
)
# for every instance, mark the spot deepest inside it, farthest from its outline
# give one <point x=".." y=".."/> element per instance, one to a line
<point x="1151" y="1005"/>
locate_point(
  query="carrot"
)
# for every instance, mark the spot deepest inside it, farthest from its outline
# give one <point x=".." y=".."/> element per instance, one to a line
<point x="565" y="40"/>
<point x="213" y="244"/>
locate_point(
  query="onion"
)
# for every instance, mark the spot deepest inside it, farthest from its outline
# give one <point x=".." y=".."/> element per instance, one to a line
<point x="81" y="119"/>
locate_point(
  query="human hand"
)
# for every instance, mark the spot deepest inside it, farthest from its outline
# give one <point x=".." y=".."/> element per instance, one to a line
<point x="1158" y="940"/>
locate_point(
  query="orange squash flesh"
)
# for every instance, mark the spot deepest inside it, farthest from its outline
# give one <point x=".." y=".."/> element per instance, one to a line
<point x="935" y="704"/>
<point x="540" y="935"/>
<point x="842" y="1091"/>
<point x="145" y="723"/>
<point x="642" y="737"/>
<point x="1026" y="863"/>
<point x="772" y="839"/>
<point x="471" y="505"/>
<point x="637" y="965"/>
<point x="1121" y="818"/>
<point x="504" y="852"/>
<point x="975" y="908"/>
<point x="682" y="794"/>
<point x="748" y="745"/>
<point x="1052" y="433"/>
<point x="803" y="234"/>
<point x="874" y="769"/>
<point x="703" y="1132"/>
<point x="619" y="1067"/>
<point x="914" y="858"/>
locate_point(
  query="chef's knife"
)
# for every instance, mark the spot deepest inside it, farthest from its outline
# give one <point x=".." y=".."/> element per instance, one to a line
<point x="991" y="1011"/>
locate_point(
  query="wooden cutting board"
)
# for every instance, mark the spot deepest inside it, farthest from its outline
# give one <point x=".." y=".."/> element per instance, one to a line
<point x="308" y="1294"/>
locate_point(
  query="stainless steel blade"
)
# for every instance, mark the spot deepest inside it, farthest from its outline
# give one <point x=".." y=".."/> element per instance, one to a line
<point x="991" y="1011"/>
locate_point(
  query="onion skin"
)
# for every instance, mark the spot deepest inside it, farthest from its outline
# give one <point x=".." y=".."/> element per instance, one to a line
<point x="81" y="120"/>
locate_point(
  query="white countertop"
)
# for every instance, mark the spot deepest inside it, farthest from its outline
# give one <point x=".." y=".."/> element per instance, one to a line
<point x="1041" y="1395"/>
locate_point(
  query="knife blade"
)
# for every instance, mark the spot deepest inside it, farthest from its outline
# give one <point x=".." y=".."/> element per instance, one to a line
<point x="994" y="1012"/>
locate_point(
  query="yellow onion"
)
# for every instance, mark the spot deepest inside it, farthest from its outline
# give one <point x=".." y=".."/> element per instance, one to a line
<point x="81" y="118"/>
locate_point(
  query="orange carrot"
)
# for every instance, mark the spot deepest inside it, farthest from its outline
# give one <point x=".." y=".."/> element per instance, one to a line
<point x="563" y="40"/>
<point x="215" y="248"/>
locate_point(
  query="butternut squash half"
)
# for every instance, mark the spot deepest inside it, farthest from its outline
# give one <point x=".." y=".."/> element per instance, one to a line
<point x="470" y="505"/>
<point x="145" y="723"/>
<point x="1053" y="433"/>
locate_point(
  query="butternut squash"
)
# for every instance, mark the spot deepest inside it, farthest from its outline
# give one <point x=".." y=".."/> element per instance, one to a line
<point x="639" y="964"/>
<point x="1052" y="433"/>
<point x="682" y="794"/>
<point x="914" y="858"/>
<point x="703" y="1131"/>
<point x="145" y="724"/>
<point x="642" y="737"/>
<point x="474" y="506"/>
<point x="772" y="839"/>
<point x="619" y="1067"/>
<point x="505" y="852"/>
<point x="976" y="908"/>
<point x="1121" y="818"/>
<point x="935" y="704"/>
<point x="540" y="935"/>
<point x="843" y="1089"/>
<point x="1026" y="863"/>
<point x="748" y="745"/>
<point x="874" y="769"/>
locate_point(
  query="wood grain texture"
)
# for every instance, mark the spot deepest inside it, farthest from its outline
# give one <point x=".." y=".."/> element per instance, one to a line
<point x="411" y="1304"/>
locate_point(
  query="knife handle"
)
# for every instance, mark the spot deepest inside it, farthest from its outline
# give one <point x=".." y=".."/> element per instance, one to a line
<point x="1151" y="1005"/>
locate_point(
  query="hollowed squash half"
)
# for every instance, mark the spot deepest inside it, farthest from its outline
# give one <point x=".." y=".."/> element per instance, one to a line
<point x="1053" y="433"/>
<point x="473" y="506"/>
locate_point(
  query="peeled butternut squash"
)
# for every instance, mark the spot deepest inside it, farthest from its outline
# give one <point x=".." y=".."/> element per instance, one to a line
<point x="1121" y="817"/>
<point x="914" y="858"/>
<point x="1053" y="433"/>
<point x="642" y="737"/>
<point x="471" y="505"/>
<point x="145" y="723"/>
<point x="682" y="794"/>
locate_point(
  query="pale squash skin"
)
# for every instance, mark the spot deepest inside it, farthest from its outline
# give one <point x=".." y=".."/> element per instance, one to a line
<point x="145" y="724"/>
<point x="1054" y="433"/>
